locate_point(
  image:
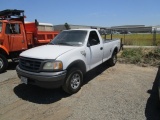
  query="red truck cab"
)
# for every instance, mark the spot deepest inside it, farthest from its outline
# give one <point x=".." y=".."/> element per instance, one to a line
<point x="17" y="36"/>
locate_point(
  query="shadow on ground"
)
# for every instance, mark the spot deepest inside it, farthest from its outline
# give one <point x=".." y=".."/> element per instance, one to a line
<point x="12" y="65"/>
<point x="39" y="95"/>
<point x="95" y="72"/>
<point x="152" y="111"/>
<point x="46" y="96"/>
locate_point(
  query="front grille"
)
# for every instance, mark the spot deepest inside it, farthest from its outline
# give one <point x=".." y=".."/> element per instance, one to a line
<point x="30" y="64"/>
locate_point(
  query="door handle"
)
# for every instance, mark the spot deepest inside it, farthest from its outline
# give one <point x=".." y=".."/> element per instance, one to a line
<point x="101" y="48"/>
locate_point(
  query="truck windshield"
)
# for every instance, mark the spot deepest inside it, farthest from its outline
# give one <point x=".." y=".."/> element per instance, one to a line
<point x="72" y="38"/>
<point x="0" y="27"/>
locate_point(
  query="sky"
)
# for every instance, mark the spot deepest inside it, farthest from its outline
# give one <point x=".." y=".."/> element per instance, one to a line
<point x="104" y="13"/>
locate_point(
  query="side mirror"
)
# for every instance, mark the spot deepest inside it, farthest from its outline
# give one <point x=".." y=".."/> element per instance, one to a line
<point x="95" y="42"/>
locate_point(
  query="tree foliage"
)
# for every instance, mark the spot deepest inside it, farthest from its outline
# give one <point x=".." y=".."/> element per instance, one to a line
<point x="67" y="26"/>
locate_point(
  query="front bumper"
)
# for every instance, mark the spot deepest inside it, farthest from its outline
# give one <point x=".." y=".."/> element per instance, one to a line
<point x="43" y="79"/>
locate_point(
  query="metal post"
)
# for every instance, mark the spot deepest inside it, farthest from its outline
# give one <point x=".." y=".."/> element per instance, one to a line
<point x="121" y="44"/>
<point x="154" y="36"/>
<point x="111" y="33"/>
<point x="124" y="38"/>
<point x="111" y="36"/>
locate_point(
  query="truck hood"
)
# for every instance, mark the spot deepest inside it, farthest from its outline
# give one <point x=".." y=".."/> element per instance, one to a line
<point x="46" y="51"/>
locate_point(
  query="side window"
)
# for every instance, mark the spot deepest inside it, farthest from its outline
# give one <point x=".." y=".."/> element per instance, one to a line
<point x="13" y="28"/>
<point x="8" y="31"/>
<point x="93" y="38"/>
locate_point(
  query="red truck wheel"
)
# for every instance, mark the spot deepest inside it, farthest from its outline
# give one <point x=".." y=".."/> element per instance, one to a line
<point x="3" y="63"/>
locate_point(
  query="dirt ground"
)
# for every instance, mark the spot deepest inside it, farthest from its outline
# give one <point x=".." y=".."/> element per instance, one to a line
<point x="122" y="92"/>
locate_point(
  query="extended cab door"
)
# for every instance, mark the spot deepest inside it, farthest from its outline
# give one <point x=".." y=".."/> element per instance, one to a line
<point x="15" y="37"/>
<point x="94" y="50"/>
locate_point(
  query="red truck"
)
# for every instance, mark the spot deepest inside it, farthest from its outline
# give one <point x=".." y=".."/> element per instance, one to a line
<point x="17" y="36"/>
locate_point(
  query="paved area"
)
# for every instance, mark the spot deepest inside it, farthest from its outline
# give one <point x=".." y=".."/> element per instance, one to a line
<point x="9" y="73"/>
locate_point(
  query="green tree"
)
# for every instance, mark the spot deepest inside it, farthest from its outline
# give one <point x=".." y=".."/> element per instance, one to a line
<point x="67" y="26"/>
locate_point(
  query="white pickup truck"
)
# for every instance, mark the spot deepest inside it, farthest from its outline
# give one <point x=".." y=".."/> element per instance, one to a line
<point x="65" y="60"/>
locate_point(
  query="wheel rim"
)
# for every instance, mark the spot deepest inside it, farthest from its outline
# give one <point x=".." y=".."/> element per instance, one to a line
<point x="1" y="63"/>
<point x="75" y="81"/>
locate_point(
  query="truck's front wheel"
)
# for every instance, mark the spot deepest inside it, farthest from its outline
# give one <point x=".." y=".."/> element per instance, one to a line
<point x="3" y="63"/>
<point x="73" y="81"/>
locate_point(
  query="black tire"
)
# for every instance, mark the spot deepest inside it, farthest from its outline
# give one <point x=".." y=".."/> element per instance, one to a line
<point x="112" y="61"/>
<point x="73" y="81"/>
<point x="3" y="63"/>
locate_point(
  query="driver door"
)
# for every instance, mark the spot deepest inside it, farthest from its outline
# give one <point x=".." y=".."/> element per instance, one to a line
<point x="15" y="37"/>
<point x="95" y="50"/>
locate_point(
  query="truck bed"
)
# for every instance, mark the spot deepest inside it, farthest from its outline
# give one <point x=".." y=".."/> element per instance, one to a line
<point x="109" y="40"/>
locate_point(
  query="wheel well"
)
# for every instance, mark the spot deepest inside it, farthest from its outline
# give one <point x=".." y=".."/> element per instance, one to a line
<point x="78" y="64"/>
<point x="3" y="52"/>
<point x="115" y="50"/>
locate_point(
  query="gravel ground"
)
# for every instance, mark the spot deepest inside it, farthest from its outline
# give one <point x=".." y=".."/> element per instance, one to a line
<point x="122" y="92"/>
<point x="10" y="73"/>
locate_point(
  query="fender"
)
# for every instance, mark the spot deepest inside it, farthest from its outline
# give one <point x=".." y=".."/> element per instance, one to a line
<point x="5" y="49"/>
<point x="78" y="63"/>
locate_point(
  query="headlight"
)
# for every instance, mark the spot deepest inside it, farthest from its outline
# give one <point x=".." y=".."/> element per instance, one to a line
<point x="53" y="65"/>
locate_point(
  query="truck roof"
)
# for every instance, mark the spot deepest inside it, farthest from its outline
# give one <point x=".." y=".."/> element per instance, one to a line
<point x="45" y="24"/>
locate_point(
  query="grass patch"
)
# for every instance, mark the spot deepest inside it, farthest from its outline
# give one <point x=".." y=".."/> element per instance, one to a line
<point x="141" y="56"/>
<point x="137" y="39"/>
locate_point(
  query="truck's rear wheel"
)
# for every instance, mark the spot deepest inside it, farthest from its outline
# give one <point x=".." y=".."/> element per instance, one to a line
<point x="73" y="81"/>
<point x="3" y="63"/>
<point x="112" y="61"/>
